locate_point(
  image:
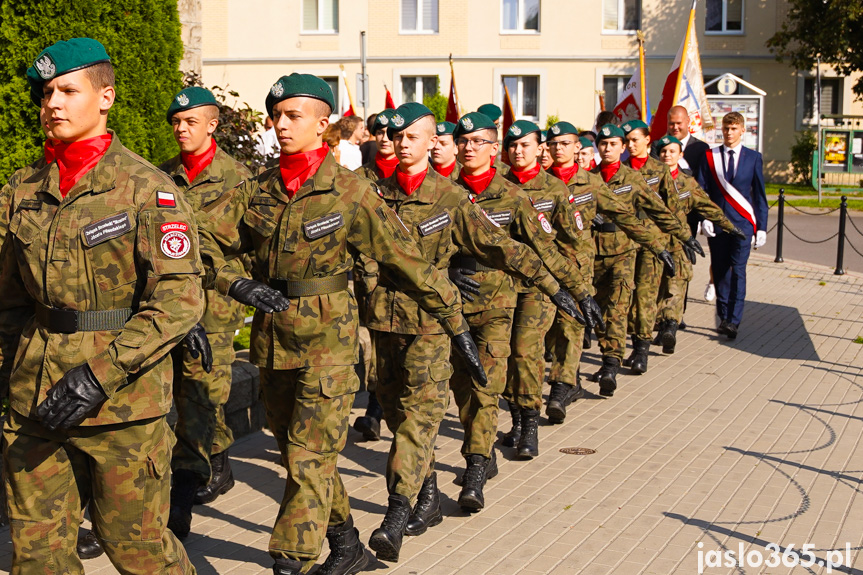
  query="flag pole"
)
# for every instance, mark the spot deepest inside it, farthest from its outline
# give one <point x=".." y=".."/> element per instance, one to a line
<point x="683" y="53"/>
<point x="640" y="36"/>
<point x="454" y="87"/>
<point x="347" y="88"/>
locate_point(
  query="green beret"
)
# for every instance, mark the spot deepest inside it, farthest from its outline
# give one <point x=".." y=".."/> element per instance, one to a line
<point x="445" y="128"/>
<point x="518" y="130"/>
<point x="610" y="131"/>
<point x="543" y="136"/>
<point x="405" y="115"/>
<point x="61" y="58"/>
<point x="633" y="125"/>
<point x="382" y="120"/>
<point x="562" y="129"/>
<point x="297" y="85"/>
<point x="191" y="97"/>
<point x="491" y="111"/>
<point x="585" y="142"/>
<point x="666" y="141"/>
<point x="473" y="122"/>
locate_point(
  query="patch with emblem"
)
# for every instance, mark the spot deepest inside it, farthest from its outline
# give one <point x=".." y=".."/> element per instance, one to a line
<point x="441" y="128"/>
<point x="543" y="205"/>
<point x="45" y="67"/>
<point x="515" y="131"/>
<point x="579" y="222"/>
<point x="166" y="200"/>
<point x="277" y="90"/>
<point x="105" y="229"/>
<point x="489" y="218"/>
<point x="501" y="216"/>
<point x="183" y="100"/>
<point x="175" y="243"/>
<point x="543" y="221"/>
<point x="555" y="130"/>
<point x="623" y="189"/>
<point x="653" y="181"/>
<point x="472" y="198"/>
<point x="683" y="195"/>
<point x="627" y="127"/>
<point x="383" y="120"/>
<point x="323" y="226"/>
<point x="398" y="121"/>
<point x="606" y="131"/>
<point x="434" y="224"/>
<point x="582" y="199"/>
<point x="467" y="123"/>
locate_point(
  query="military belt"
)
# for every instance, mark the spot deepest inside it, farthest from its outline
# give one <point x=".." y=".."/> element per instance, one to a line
<point x="311" y="286"/>
<point x="607" y="228"/>
<point x="469" y="263"/>
<point x="72" y="321"/>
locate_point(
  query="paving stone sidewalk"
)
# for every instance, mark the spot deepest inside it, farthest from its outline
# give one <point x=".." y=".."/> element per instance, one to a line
<point x="722" y="444"/>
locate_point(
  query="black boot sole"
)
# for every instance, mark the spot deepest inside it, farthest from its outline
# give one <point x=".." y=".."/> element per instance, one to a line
<point x="669" y="342"/>
<point x="366" y="426"/>
<point x="213" y="495"/>
<point x="470" y="502"/>
<point x="556" y="412"/>
<point x="638" y="368"/>
<point x="385" y="549"/>
<point x="435" y="519"/>
<point x="607" y="386"/>
<point x="527" y="453"/>
<point x="510" y="440"/>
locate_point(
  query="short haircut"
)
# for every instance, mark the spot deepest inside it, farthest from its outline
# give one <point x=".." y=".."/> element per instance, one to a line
<point x="348" y="125"/>
<point x="101" y="75"/>
<point x="211" y="112"/>
<point x="490" y="134"/>
<point x="733" y="118"/>
<point x="370" y="121"/>
<point x="643" y="131"/>
<point x="590" y="135"/>
<point x="430" y="124"/>
<point x="322" y="109"/>
<point x="606" y="117"/>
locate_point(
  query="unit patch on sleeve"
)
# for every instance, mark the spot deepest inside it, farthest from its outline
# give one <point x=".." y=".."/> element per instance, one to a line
<point x="546" y="225"/>
<point x="175" y="243"/>
<point x="165" y="200"/>
<point x="579" y="222"/>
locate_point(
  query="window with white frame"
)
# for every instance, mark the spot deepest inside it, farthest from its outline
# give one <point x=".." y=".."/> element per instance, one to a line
<point x="321" y="16"/>
<point x="524" y="95"/>
<point x="420" y="16"/>
<point x="621" y="15"/>
<point x="724" y="16"/>
<point x="831" y="98"/>
<point x="520" y="15"/>
<point x="416" y="88"/>
<point x="613" y="87"/>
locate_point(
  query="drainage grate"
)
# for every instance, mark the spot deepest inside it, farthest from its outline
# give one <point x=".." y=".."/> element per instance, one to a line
<point x="578" y="451"/>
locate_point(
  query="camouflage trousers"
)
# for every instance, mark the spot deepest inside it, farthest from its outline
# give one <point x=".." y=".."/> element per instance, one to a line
<point x="672" y="291"/>
<point x="413" y="390"/>
<point x="642" y="311"/>
<point x="565" y="341"/>
<point x="613" y="278"/>
<point x="307" y="411"/>
<point x="125" y="468"/>
<point x="200" y="399"/>
<point x="478" y="406"/>
<point x="534" y="316"/>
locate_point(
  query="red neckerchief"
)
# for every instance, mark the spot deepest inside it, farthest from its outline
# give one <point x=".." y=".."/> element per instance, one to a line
<point x="299" y="167"/>
<point x="592" y="163"/>
<point x="74" y="159"/>
<point x="675" y="172"/>
<point x="637" y="163"/>
<point x="564" y="174"/>
<point x="478" y="184"/>
<point x="526" y="175"/>
<point x="386" y="166"/>
<point x="409" y="183"/>
<point x="194" y="165"/>
<point x="609" y="170"/>
<point x="444" y="171"/>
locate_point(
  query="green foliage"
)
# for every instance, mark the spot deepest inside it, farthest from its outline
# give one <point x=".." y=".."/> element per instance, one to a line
<point x="437" y="104"/>
<point x="858" y="339"/>
<point x="551" y="120"/>
<point x="243" y="339"/>
<point x="801" y="156"/>
<point x="141" y="36"/>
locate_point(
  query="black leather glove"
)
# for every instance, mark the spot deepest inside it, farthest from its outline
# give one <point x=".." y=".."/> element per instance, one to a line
<point x="592" y="314"/>
<point x="597" y="221"/>
<point x="667" y="263"/>
<point x="738" y="233"/>
<point x="69" y="402"/>
<point x="466" y="348"/>
<point x="198" y="345"/>
<point x="566" y="303"/>
<point x="258" y="295"/>
<point x="692" y="247"/>
<point x="465" y="285"/>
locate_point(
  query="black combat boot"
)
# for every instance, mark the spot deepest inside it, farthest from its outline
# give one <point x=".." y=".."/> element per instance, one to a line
<point x="221" y="479"/>
<point x="628" y="361"/>
<point x="347" y="553"/>
<point x="386" y="540"/>
<point x="607" y="375"/>
<point x="479" y="470"/>
<point x="88" y="545"/>
<point x="528" y="443"/>
<point x="659" y="328"/>
<point x="511" y="437"/>
<point x="639" y="358"/>
<point x="669" y="336"/>
<point x="560" y="396"/>
<point x="183" y="489"/>
<point x="426" y="513"/>
<point x="370" y="423"/>
<point x="285" y="566"/>
<point x="587" y="339"/>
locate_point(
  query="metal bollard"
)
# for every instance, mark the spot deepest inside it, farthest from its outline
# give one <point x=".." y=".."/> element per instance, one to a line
<point x="840" y="251"/>
<point x="780" y="226"/>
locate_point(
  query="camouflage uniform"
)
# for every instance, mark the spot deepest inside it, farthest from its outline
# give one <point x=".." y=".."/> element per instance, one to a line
<point x="123" y="253"/>
<point x="200" y="397"/>
<point x="413" y="351"/>
<point x="305" y="245"/>
<point x="456" y="170"/>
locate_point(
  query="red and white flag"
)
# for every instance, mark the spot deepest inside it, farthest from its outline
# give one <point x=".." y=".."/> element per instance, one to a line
<point x="453" y="111"/>
<point x="628" y="107"/>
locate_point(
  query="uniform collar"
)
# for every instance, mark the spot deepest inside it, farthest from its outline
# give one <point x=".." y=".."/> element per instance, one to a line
<point x="101" y="178"/>
<point x="537" y="182"/>
<point x="323" y="180"/>
<point x="425" y="194"/>
<point x="214" y="172"/>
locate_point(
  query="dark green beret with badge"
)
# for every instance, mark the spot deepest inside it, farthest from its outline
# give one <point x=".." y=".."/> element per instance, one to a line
<point x="543" y="136"/>
<point x="473" y="122"/>
<point x="634" y="125"/>
<point x="191" y="97"/>
<point x="382" y="120"/>
<point x="610" y="131"/>
<point x="300" y="85"/>
<point x="562" y="129"/>
<point x="490" y="110"/>
<point x="445" y="128"/>
<point x="61" y="58"/>
<point x="585" y="142"/>
<point x="405" y="115"/>
<point x="518" y="130"/>
<point x="667" y="141"/>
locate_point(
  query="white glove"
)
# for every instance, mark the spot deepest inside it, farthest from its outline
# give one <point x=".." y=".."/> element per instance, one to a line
<point x="707" y="229"/>
<point x="760" y="239"/>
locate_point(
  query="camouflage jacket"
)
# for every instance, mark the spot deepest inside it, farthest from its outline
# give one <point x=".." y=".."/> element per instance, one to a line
<point x="369" y="171"/>
<point x="455" y="171"/>
<point x="658" y="177"/>
<point x="550" y="196"/>
<point x="690" y="197"/>
<point x="221" y="313"/>
<point x="584" y="189"/>
<point x="444" y="223"/>
<point x="123" y="238"/>
<point x="334" y="217"/>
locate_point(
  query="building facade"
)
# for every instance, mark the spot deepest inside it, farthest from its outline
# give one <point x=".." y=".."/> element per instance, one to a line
<point x="554" y="56"/>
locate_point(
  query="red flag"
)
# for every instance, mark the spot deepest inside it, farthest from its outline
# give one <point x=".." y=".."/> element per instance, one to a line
<point x="452" y="110"/>
<point x="508" y="113"/>
<point x="390" y="104"/>
<point x="349" y="111"/>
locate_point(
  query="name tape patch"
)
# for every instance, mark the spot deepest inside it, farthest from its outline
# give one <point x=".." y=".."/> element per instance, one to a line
<point x="653" y="181"/>
<point x="684" y="195"/>
<point x="30" y="204"/>
<point x="434" y="224"/>
<point x="623" y="189"/>
<point x="264" y="201"/>
<point x="500" y="217"/>
<point x="107" y="228"/>
<point x="544" y="205"/>
<point x="583" y="198"/>
<point x="323" y="226"/>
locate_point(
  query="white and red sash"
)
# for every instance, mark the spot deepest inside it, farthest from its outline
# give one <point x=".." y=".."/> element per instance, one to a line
<point x="732" y="195"/>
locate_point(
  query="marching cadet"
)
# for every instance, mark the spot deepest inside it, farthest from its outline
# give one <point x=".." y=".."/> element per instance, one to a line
<point x="491" y="297"/>
<point x="443" y="154"/>
<point x="534" y="312"/>
<point x="304" y="223"/>
<point x="586" y="154"/>
<point x="100" y="281"/>
<point x="384" y="162"/>
<point x="648" y="272"/>
<point x="690" y="197"/>
<point x="200" y="465"/>
<point x="492" y="112"/>
<point x="412" y="347"/>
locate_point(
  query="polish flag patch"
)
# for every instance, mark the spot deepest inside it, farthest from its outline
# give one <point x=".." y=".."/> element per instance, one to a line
<point x="165" y="200"/>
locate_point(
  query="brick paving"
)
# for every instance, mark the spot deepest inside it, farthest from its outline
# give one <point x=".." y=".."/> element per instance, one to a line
<point x="724" y="443"/>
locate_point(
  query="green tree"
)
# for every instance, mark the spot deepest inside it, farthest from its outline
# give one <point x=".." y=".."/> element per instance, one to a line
<point x="832" y="29"/>
<point x="141" y="36"/>
<point x="437" y="104"/>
